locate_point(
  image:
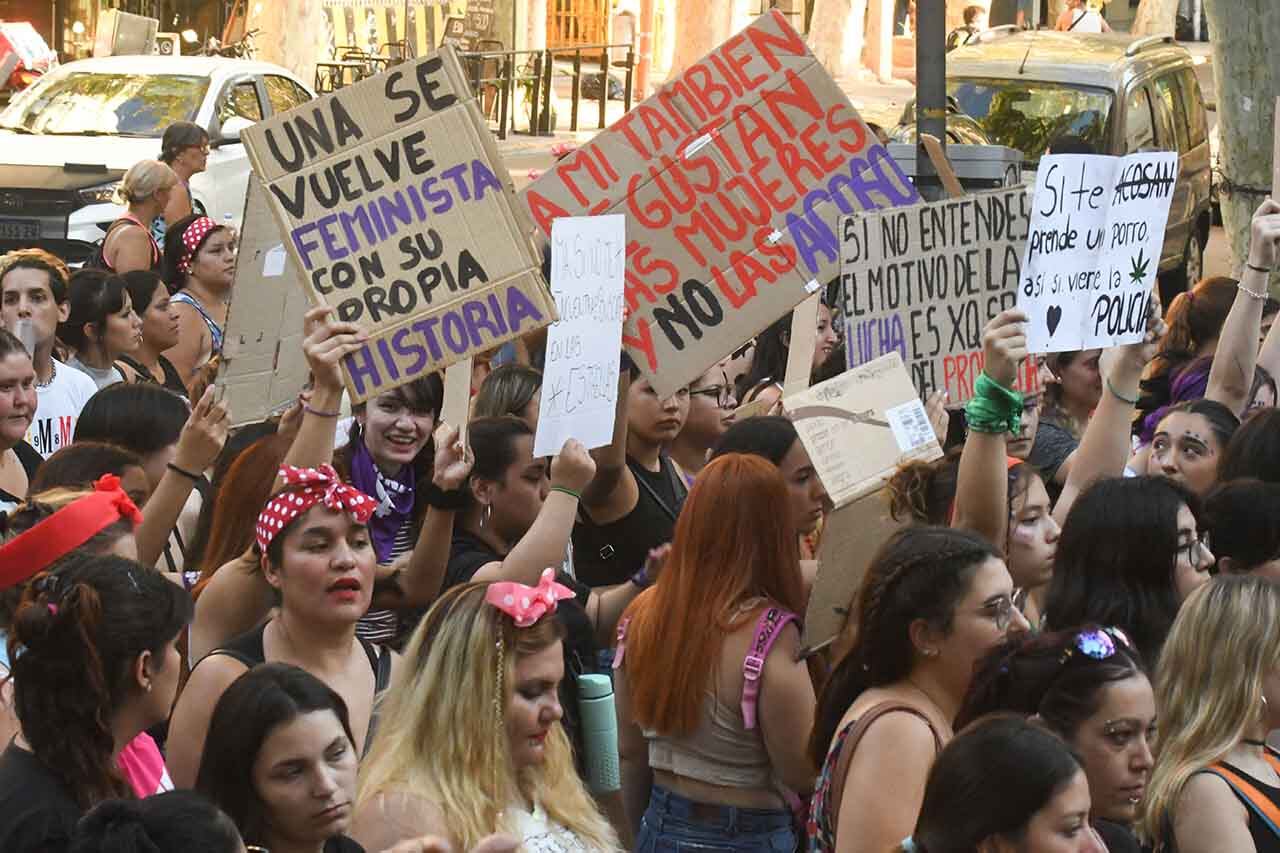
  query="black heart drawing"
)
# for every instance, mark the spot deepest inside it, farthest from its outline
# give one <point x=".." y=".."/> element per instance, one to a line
<point x="1052" y="318"/>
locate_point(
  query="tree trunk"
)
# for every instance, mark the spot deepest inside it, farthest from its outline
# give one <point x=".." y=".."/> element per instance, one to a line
<point x="836" y="34"/>
<point x="1155" y="17"/>
<point x="1248" y="80"/>
<point x="703" y="24"/>
<point x="292" y="34"/>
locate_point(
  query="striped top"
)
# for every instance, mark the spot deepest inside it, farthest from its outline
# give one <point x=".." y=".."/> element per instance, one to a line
<point x="383" y="626"/>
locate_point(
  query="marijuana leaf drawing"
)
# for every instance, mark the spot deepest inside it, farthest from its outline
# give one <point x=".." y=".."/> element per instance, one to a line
<point x="1138" y="273"/>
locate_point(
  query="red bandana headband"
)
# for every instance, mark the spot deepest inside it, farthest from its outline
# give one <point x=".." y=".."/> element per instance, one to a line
<point x="317" y="485"/>
<point x="191" y="238"/>
<point x="67" y="529"/>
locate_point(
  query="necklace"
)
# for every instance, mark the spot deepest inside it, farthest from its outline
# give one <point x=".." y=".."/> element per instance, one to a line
<point x="53" y="374"/>
<point x="1248" y="741"/>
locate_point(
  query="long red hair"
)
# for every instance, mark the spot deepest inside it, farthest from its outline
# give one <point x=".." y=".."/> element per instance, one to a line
<point x="734" y="541"/>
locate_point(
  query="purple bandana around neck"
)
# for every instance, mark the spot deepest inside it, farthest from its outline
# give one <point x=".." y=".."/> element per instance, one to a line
<point x="393" y="494"/>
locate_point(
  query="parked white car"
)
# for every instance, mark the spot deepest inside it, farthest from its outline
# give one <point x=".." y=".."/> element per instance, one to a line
<point x="67" y="140"/>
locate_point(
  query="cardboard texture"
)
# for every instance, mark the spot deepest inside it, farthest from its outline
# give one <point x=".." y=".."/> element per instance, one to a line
<point x="804" y="336"/>
<point x="859" y="426"/>
<point x="579" y="393"/>
<point x="851" y="535"/>
<point x="262" y="366"/>
<point x="923" y="281"/>
<point x="455" y="410"/>
<point x="397" y="210"/>
<point x="1275" y="155"/>
<point x="732" y="178"/>
<point x="1093" y="248"/>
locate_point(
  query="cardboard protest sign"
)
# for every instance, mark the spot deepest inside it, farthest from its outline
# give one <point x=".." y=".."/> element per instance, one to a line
<point x="398" y="212"/>
<point x="923" y="281"/>
<point x="731" y="177"/>
<point x="1093" y="248"/>
<point x="804" y="336"/>
<point x="851" y="535"/>
<point x="262" y="365"/>
<point x="861" y="425"/>
<point x="580" y="375"/>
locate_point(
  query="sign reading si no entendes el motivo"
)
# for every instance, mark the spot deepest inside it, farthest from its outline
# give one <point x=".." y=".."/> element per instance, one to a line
<point x="398" y="212"/>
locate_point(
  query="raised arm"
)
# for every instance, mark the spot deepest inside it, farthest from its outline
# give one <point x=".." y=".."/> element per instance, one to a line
<point x="326" y="342"/>
<point x="545" y="543"/>
<point x="422" y="573"/>
<point x="613" y="490"/>
<point x="1105" y="446"/>
<point x="199" y="444"/>
<point x="982" y="484"/>
<point x="1231" y="377"/>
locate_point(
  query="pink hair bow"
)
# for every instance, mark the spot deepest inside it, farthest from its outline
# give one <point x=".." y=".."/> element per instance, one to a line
<point x="318" y="485"/>
<point x="527" y="604"/>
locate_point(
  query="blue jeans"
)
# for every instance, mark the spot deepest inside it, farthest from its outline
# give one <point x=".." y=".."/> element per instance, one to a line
<point x="673" y="824"/>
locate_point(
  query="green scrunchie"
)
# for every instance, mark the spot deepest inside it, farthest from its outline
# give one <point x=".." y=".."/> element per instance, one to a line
<point x="994" y="408"/>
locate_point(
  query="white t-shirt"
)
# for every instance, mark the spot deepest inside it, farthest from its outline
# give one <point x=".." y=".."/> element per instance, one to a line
<point x="58" y="408"/>
<point x="1088" y="20"/>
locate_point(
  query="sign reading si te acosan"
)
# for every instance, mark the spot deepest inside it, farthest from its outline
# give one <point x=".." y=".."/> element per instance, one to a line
<point x="923" y="281"/>
<point x="732" y="178"/>
<point x="1097" y="233"/>
<point x="397" y="211"/>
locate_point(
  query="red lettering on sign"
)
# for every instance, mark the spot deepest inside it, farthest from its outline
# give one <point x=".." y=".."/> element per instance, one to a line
<point x="793" y="163"/>
<point x="643" y="343"/>
<point x="740" y="61"/>
<point x="789" y="42"/>
<point x="715" y="96"/>
<point x="817" y="149"/>
<point x="727" y="72"/>
<point x="799" y="97"/>
<point x="578" y="161"/>
<point x="544" y="210"/>
<point x="850" y="133"/>
<point x="664" y="280"/>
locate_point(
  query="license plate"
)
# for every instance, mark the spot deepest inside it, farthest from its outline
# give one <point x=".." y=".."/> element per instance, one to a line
<point x="19" y="229"/>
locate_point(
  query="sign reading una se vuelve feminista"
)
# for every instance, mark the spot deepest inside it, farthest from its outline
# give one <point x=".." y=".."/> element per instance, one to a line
<point x="397" y="211"/>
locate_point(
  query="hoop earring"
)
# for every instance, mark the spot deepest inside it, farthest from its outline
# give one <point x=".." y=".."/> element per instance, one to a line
<point x="484" y="516"/>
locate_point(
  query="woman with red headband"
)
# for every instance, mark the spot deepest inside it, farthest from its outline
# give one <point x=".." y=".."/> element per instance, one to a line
<point x="199" y="267"/>
<point x="318" y="557"/>
<point x="98" y="666"/>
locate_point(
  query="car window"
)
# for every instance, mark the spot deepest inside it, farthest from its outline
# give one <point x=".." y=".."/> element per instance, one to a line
<point x="1032" y="115"/>
<point x="241" y="100"/>
<point x="1139" y="127"/>
<point x="85" y="102"/>
<point x="1173" y="116"/>
<point x="284" y="94"/>
<point x="1193" y="101"/>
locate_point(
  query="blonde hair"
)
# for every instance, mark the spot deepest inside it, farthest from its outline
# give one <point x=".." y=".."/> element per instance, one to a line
<point x="1208" y="685"/>
<point x="143" y="180"/>
<point x="442" y="735"/>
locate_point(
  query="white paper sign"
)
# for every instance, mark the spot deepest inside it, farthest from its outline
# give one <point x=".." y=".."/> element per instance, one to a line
<point x="584" y="347"/>
<point x="1093" y="248"/>
<point x="273" y="262"/>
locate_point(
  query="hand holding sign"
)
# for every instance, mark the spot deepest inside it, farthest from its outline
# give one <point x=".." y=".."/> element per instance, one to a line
<point x="573" y="467"/>
<point x="1094" y="248"/>
<point x="327" y="342"/>
<point x="1004" y="346"/>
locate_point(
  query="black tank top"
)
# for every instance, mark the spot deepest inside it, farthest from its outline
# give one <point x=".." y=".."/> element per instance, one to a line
<point x="172" y="380"/>
<point x="609" y="554"/>
<point x="248" y="648"/>
<point x="1265" y="839"/>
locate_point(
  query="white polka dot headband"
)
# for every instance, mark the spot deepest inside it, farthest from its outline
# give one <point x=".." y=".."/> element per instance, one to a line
<point x="318" y="485"/>
<point x="527" y="604"/>
<point x="191" y="237"/>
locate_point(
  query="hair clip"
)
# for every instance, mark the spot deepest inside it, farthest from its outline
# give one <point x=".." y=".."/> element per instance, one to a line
<point x="47" y="584"/>
<point x="527" y="604"/>
<point x="1096" y="644"/>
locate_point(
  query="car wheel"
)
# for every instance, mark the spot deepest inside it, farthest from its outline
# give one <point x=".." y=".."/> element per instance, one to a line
<point x="1185" y="276"/>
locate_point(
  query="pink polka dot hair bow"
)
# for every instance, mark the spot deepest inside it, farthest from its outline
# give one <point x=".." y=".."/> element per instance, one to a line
<point x="303" y="489"/>
<point x="527" y="604"/>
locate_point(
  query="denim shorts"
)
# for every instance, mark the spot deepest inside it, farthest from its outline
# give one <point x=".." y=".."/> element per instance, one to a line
<point x="670" y="826"/>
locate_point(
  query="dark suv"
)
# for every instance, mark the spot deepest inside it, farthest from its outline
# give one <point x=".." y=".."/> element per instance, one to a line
<point x="1110" y="94"/>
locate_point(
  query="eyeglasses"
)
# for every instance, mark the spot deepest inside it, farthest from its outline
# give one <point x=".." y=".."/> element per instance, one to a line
<point x="1196" y="551"/>
<point x="722" y="394"/>
<point x="1000" y="611"/>
<point x="1097" y="644"/>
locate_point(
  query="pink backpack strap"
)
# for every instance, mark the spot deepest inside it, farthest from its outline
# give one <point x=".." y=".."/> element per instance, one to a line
<point x="771" y="623"/>
<point x="621" y="646"/>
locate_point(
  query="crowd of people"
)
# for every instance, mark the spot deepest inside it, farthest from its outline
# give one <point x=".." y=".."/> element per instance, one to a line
<point x="358" y="628"/>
